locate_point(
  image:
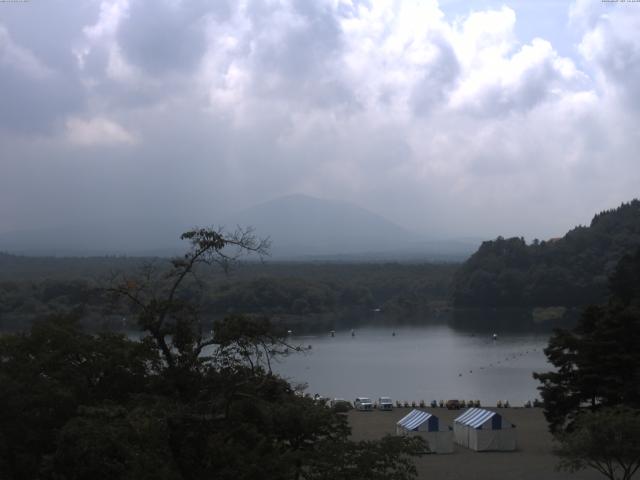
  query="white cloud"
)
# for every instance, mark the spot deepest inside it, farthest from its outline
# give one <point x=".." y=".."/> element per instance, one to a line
<point x="97" y="132"/>
<point x="583" y="14"/>
<point x="611" y="46"/>
<point x="499" y="75"/>
<point x="101" y="37"/>
<point x="393" y="104"/>
<point x="19" y="58"/>
<point x="111" y="15"/>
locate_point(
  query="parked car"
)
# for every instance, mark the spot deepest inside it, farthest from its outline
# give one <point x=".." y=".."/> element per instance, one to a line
<point x="363" y="404"/>
<point x="452" y="404"/>
<point x="385" y="403"/>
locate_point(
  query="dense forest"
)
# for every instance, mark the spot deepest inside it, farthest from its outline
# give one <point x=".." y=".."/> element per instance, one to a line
<point x="298" y="295"/>
<point x="180" y="404"/>
<point x="597" y="363"/>
<point x="571" y="271"/>
<point x="591" y="397"/>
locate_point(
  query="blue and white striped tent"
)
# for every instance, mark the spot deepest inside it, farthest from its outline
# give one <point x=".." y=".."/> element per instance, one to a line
<point x="476" y="417"/>
<point x="427" y="425"/>
<point x="482" y="430"/>
<point x="418" y="420"/>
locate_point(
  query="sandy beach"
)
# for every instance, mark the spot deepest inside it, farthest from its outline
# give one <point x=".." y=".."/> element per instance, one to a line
<point x="533" y="460"/>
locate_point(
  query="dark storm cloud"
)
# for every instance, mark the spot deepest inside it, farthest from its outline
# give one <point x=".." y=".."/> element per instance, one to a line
<point x="189" y="110"/>
<point x="49" y="29"/>
<point x="32" y="103"/>
<point x="308" y="38"/>
<point x="295" y="53"/>
<point x="38" y="74"/>
<point x="183" y="174"/>
<point x="162" y="36"/>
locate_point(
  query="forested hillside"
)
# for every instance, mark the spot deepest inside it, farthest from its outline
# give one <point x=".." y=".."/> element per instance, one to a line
<point x="301" y="295"/>
<point x="569" y="271"/>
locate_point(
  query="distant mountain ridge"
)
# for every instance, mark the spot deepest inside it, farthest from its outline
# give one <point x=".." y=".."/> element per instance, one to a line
<point x="301" y="228"/>
<point x="569" y="271"/>
<point x="304" y="225"/>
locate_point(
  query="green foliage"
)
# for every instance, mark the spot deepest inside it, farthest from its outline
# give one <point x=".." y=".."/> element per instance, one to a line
<point x="48" y="374"/>
<point x="124" y="415"/>
<point x="387" y="459"/>
<point x="570" y="271"/>
<point x="301" y="296"/>
<point x="109" y="442"/>
<point x="181" y="404"/>
<point x="342" y="407"/>
<point x="597" y="364"/>
<point x="607" y="440"/>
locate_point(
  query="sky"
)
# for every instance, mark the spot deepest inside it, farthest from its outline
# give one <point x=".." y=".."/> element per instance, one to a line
<point x="449" y="118"/>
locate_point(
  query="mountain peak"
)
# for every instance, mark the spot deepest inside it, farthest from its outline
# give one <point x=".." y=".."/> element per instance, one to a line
<point x="300" y="224"/>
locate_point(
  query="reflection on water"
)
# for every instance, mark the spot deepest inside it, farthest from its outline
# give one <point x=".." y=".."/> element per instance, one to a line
<point x="420" y="363"/>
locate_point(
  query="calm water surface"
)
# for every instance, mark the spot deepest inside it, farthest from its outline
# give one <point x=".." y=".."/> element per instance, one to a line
<point x="419" y="363"/>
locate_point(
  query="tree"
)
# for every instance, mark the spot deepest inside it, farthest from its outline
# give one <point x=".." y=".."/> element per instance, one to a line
<point x="179" y="405"/>
<point x="388" y="459"/>
<point x="111" y="441"/>
<point x="48" y="374"/>
<point x="598" y="362"/>
<point x="607" y="440"/>
<point x="567" y="271"/>
<point x="160" y="299"/>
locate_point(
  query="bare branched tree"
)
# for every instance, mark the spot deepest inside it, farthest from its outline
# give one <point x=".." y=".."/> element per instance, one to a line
<point x="158" y="295"/>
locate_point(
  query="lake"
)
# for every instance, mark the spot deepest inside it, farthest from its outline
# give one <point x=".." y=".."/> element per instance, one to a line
<point x="427" y="363"/>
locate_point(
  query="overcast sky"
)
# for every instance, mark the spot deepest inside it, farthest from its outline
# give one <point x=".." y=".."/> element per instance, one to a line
<point x="452" y="118"/>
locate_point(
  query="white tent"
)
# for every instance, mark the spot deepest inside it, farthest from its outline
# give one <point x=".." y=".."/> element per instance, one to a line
<point x="483" y="430"/>
<point x="426" y="425"/>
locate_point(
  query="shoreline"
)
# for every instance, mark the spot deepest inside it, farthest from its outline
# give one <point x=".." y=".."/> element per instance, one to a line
<point x="532" y="460"/>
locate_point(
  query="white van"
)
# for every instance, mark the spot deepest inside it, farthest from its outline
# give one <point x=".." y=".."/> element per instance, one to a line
<point x="363" y="403"/>
<point x="385" y="403"/>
